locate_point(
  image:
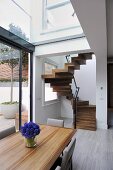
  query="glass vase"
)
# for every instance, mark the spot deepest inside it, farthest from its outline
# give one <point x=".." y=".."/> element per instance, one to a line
<point x="30" y="142"/>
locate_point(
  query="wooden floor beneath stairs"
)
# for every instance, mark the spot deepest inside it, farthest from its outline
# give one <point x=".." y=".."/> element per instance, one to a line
<point x="94" y="150"/>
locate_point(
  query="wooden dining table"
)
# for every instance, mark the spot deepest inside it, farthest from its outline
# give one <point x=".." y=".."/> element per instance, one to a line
<point x="50" y="143"/>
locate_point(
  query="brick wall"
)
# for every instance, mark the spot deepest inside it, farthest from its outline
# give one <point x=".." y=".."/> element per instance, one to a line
<point x="5" y="72"/>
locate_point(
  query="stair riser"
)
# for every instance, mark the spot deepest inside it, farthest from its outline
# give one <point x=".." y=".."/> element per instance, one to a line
<point x="87" y="125"/>
<point x="86" y="128"/>
<point x="87" y="110"/>
<point x="73" y="67"/>
<point x="82" y="103"/>
<point x="80" y="62"/>
<point x="69" y="74"/>
<point x="60" y="84"/>
<point x="62" y="91"/>
<point x="61" y="87"/>
<point x="58" y="81"/>
<point x="85" y="56"/>
<point x="86" y="114"/>
<point x="86" y="121"/>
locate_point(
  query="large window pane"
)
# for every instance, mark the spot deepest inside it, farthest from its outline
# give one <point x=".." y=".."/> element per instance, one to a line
<point x="62" y="16"/>
<point x="51" y="2"/>
<point x="9" y="85"/>
<point x="12" y="12"/>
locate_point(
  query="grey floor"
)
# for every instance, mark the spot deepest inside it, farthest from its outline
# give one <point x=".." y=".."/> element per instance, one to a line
<point x="94" y="150"/>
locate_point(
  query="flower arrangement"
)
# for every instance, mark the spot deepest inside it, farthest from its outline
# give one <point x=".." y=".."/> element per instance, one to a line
<point x="30" y="130"/>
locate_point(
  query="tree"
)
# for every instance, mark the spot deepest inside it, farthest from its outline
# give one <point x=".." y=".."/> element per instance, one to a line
<point x="18" y="31"/>
<point x="11" y="56"/>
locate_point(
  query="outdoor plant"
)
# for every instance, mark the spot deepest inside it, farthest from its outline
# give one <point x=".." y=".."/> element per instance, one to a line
<point x="8" y="103"/>
<point x="10" y="56"/>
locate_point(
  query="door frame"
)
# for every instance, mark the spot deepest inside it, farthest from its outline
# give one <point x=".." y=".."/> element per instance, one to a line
<point x="20" y="44"/>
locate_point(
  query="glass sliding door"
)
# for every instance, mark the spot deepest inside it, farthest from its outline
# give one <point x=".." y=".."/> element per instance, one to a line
<point x="16" y="85"/>
<point x="9" y="85"/>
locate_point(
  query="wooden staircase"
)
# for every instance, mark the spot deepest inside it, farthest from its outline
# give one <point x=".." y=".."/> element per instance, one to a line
<point x="60" y="81"/>
<point x="86" y="116"/>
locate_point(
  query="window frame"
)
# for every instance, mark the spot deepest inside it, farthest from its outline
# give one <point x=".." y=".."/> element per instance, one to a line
<point x="44" y="16"/>
<point x="45" y="103"/>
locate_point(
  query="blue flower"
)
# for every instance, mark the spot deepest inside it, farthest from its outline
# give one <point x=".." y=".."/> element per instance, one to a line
<point x="30" y="130"/>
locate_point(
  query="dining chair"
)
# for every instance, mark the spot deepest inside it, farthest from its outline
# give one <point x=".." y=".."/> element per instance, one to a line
<point x="58" y="168"/>
<point x="7" y="132"/>
<point x="66" y="163"/>
<point x="55" y="122"/>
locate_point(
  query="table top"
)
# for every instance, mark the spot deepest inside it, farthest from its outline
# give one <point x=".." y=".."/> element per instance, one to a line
<point x="50" y="144"/>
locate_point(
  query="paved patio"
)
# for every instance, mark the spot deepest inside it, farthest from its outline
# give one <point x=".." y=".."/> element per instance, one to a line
<point x="6" y="123"/>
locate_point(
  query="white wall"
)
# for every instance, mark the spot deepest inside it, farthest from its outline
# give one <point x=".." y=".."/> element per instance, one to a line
<point x="63" y="47"/>
<point x="5" y="95"/>
<point x="39" y="35"/>
<point x="86" y="80"/>
<point x="66" y="108"/>
<point x="92" y="16"/>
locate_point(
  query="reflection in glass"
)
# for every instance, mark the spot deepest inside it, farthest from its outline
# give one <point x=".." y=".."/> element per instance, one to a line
<point x="62" y="16"/>
<point x="9" y="85"/>
<point x="17" y="15"/>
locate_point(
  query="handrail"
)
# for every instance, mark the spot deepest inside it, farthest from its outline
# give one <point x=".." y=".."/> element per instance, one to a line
<point x="75" y="96"/>
<point x="77" y="89"/>
<point x="67" y="58"/>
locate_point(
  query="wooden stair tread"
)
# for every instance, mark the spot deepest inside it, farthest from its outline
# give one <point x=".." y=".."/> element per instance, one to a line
<point x="82" y="102"/>
<point x="87" y="106"/>
<point x="56" y="80"/>
<point x="44" y="76"/>
<point x="78" y="60"/>
<point x="86" y="56"/>
<point x="62" y="71"/>
<point x="62" y="76"/>
<point x="62" y="90"/>
<point x="59" y="70"/>
<point x="86" y="127"/>
<point x="62" y="87"/>
<point x="85" y="124"/>
<point x="73" y="66"/>
<point x="62" y="83"/>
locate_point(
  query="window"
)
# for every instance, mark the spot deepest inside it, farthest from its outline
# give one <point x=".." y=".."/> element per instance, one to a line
<point x="16" y="14"/>
<point x="49" y="95"/>
<point x="59" y="14"/>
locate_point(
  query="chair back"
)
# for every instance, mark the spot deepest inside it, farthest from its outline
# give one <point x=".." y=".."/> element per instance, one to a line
<point x="67" y="155"/>
<point x="55" y="122"/>
<point x="7" y="132"/>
